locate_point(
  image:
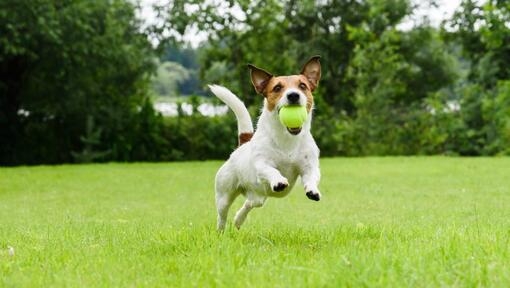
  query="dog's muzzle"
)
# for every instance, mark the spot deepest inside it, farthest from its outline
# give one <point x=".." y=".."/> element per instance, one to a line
<point x="292" y="98"/>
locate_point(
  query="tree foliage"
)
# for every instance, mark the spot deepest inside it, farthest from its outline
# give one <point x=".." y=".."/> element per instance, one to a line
<point x="76" y="76"/>
<point x="395" y="75"/>
<point x="482" y="30"/>
<point x="168" y="77"/>
<point x="62" y="63"/>
<point x="379" y="84"/>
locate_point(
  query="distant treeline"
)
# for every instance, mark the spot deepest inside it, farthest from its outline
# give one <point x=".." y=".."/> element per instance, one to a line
<point x="77" y="77"/>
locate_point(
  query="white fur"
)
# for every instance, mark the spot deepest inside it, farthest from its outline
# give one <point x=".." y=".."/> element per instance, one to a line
<point x="272" y="158"/>
<point x="244" y="124"/>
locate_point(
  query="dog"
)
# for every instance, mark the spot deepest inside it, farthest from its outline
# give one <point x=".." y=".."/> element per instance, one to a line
<point x="267" y="162"/>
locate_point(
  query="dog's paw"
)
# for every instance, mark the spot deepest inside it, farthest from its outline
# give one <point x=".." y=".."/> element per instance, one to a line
<point x="280" y="186"/>
<point x="313" y="195"/>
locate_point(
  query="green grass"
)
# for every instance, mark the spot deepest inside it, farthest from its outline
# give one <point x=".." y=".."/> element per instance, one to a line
<point x="382" y="222"/>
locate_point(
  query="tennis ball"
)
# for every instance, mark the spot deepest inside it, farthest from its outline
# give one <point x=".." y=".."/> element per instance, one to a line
<point x="293" y="116"/>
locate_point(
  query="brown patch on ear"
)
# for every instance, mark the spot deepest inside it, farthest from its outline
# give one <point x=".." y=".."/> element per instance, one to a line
<point x="312" y="71"/>
<point x="259" y="78"/>
<point x="244" y="137"/>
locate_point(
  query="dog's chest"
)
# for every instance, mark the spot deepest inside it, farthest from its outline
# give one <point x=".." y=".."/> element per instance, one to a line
<point x="287" y="162"/>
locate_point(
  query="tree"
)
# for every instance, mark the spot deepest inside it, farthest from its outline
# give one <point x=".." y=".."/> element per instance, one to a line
<point x="187" y="57"/>
<point x="482" y="32"/>
<point x="62" y="62"/>
<point x="168" y="77"/>
<point x="287" y="31"/>
<point x="376" y="79"/>
<point x="396" y="72"/>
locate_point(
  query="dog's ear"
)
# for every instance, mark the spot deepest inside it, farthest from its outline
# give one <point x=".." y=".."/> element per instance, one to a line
<point x="259" y="78"/>
<point x="312" y="71"/>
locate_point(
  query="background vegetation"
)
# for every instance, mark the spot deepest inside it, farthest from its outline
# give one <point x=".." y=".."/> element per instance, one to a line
<point x="78" y="78"/>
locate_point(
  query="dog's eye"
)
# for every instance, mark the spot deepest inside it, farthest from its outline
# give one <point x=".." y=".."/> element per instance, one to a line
<point x="302" y="86"/>
<point x="277" y="88"/>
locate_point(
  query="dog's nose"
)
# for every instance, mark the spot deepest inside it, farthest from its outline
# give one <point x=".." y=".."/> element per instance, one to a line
<point x="293" y="98"/>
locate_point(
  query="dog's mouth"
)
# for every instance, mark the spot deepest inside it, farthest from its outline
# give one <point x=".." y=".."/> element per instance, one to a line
<point x="294" y="131"/>
<point x="291" y="130"/>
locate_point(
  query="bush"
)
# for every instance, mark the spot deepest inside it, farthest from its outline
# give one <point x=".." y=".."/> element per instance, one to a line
<point x="198" y="137"/>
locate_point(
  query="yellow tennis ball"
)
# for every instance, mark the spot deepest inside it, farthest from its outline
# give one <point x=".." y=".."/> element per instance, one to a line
<point x="293" y="116"/>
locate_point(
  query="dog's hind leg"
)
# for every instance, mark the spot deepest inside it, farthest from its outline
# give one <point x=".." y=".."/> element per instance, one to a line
<point x="249" y="204"/>
<point x="226" y="192"/>
<point x="223" y="203"/>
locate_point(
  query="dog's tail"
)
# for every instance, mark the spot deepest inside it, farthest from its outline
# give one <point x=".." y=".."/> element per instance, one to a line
<point x="244" y="124"/>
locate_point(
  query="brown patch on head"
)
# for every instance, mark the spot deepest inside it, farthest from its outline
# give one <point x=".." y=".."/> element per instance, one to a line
<point x="244" y="137"/>
<point x="273" y="87"/>
<point x="278" y="85"/>
<point x="307" y="89"/>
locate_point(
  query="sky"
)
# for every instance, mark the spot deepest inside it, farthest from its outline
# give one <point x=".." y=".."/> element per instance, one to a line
<point x="444" y="10"/>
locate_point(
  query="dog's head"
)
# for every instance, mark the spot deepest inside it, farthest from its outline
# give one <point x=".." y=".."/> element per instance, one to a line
<point x="282" y="91"/>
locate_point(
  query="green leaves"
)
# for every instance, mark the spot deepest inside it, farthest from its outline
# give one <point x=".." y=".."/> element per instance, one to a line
<point x="63" y="62"/>
<point x="483" y="35"/>
<point x="388" y="91"/>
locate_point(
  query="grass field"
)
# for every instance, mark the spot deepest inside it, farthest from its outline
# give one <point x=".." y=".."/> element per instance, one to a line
<point x="382" y="222"/>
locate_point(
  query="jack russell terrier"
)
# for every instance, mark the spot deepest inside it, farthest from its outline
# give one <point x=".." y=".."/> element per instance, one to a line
<point x="268" y="162"/>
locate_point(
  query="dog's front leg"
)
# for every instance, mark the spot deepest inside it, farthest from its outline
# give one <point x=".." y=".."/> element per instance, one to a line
<point x="310" y="175"/>
<point x="270" y="174"/>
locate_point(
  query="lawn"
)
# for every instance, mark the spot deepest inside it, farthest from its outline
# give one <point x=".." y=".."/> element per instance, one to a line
<point x="382" y="222"/>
